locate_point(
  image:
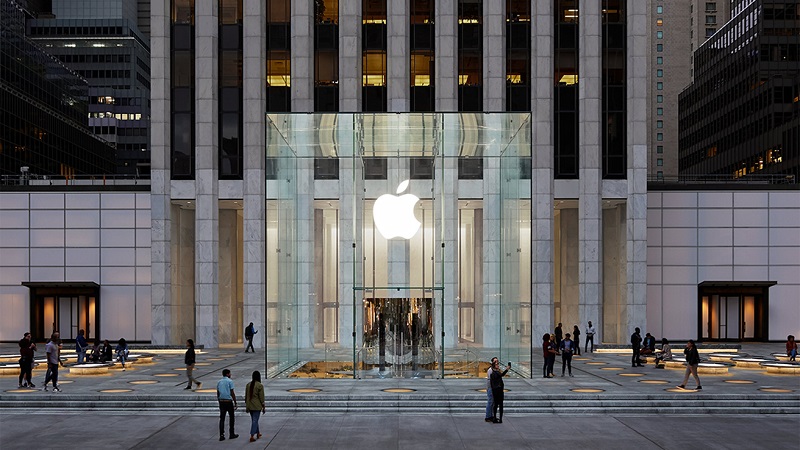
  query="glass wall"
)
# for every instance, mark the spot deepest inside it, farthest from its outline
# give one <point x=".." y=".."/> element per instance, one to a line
<point x="410" y="275"/>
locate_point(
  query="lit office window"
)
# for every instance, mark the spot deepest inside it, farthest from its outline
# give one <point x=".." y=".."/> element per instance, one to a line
<point x="470" y="55"/>
<point x="279" y="56"/>
<point x="326" y="55"/>
<point x="422" y="55"/>
<point x="518" y="55"/>
<point x="373" y="59"/>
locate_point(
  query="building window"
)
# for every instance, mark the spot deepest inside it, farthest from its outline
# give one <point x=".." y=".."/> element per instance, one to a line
<point x="660" y="175"/>
<point x="422" y="56"/>
<point x="566" y="89"/>
<point x="614" y="95"/>
<point x="659" y="22"/>
<point x="710" y="32"/>
<point x="182" y="80"/>
<point x="660" y="86"/>
<point x="660" y="73"/>
<point x="659" y="60"/>
<point x="326" y="55"/>
<point x="659" y="124"/>
<point x="659" y="47"/>
<point x="660" y="34"/>
<point x="279" y="56"/>
<point x="230" y="90"/>
<point x="711" y="20"/>
<point x="711" y="6"/>
<point x="518" y="55"/>
<point x="659" y="162"/>
<point x="373" y="60"/>
<point x="660" y="98"/>
<point x="659" y="136"/>
<point x="660" y="9"/>
<point x="660" y="111"/>
<point x="470" y="55"/>
<point x="659" y="149"/>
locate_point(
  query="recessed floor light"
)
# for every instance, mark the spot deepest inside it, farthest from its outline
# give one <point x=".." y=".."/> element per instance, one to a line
<point x="654" y="381"/>
<point x="143" y="382"/>
<point x="22" y="391"/>
<point x="776" y="390"/>
<point x="596" y="363"/>
<point x="611" y="368"/>
<point x="399" y="390"/>
<point x="166" y="375"/>
<point x="739" y="381"/>
<point x="681" y="390"/>
<point x="304" y="390"/>
<point x="116" y="391"/>
<point x="206" y="391"/>
<point x="631" y="374"/>
<point x="587" y="390"/>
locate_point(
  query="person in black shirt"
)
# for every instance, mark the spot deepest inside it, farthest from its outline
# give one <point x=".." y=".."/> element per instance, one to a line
<point x="692" y="361"/>
<point x="189" y="360"/>
<point x="496" y="381"/>
<point x="636" y="344"/>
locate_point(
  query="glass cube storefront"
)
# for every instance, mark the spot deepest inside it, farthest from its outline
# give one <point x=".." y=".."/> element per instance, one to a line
<point x="398" y="245"/>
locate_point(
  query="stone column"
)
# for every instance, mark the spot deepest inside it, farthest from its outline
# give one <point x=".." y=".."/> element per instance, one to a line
<point x="446" y="55"/>
<point x="206" y="183"/>
<point x="306" y="298"/>
<point x="398" y="59"/>
<point x="638" y="139"/>
<point x="254" y="186"/>
<point x="160" y="274"/>
<point x="494" y="55"/>
<point x="350" y="56"/>
<point x="229" y="277"/>
<point x="590" y="171"/>
<point x="542" y="177"/>
<point x="302" y="32"/>
<point x="350" y="249"/>
<point x="492" y="243"/>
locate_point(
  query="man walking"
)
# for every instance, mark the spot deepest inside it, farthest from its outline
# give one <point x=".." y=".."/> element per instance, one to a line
<point x="227" y="404"/>
<point x="80" y="346"/>
<point x="636" y="345"/>
<point x="53" y="350"/>
<point x="249" y="332"/>
<point x="589" y="347"/>
<point x="26" y="351"/>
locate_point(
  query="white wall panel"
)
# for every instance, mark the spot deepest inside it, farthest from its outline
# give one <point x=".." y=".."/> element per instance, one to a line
<point x="654" y="256"/>
<point x="83" y="218"/>
<point x="787" y="199"/>
<point x="47" y="218"/>
<point x="14" y="238"/>
<point x="680" y="275"/>
<point x="782" y="256"/>
<point x="87" y="237"/>
<point x="750" y="199"/>
<point x="714" y="273"/>
<point x="750" y="273"/>
<point x="785" y="275"/>
<point x="47" y="238"/>
<point x="679" y="256"/>
<point x="13" y="276"/>
<point x="653" y="276"/>
<point x="654" y="305"/>
<point x="715" y="256"/>
<point x="679" y="200"/>
<point x="784" y="217"/>
<point x="654" y="237"/>
<point x="750" y="217"/>
<point x="715" y="237"/>
<point x="679" y="312"/>
<point x="784" y="314"/>
<point x="143" y="201"/>
<point x="117" y="238"/>
<point x="679" y="237"/>
<point x="117" y="312"/>
<point x="41" y="200"/>
<point x="117" y="201"/>
<point x="47" y="274"/>
<point x="12" y="200"/>
<point x="83" y="256"/>
<point x="83" y="274"/>
<point x="680" y="218"/>
<point x="14" y="218"/>
<point x="118" y="218"/>
<point x="143" y="218"/>
<point x="715" y="218"/>
<point x="751" y="256"/>
<point x="42" y="257"/>
<point x="15" y="319"/>
<point x="143" y="236"/>
<point x="784" y="236"/>
<point x="654" y="218"/>
<point x="715" y="199"/>
<point x="117" y="275"/>
<point x="117" y="256"/>
<point x="143" y="276"/>
<point x="143" y="314"/>
<point x="14" y="257"/>
<point x="83" y="200"/>
<point x="143" y="256"/>
<point x="750" y="237"/>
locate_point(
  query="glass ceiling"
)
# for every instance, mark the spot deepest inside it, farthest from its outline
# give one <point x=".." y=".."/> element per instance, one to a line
<point x="397" y="134"/>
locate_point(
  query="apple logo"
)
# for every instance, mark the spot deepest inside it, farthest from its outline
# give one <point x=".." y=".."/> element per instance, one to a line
<point x="394" y="214"/>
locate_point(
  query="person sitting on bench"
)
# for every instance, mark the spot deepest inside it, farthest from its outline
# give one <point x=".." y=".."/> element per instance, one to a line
<point x="665" y="354"/>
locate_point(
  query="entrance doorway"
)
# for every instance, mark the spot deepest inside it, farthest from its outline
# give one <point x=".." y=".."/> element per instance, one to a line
<point x="64" y="307"/>
<point x="398" y="337"/>
<point x="734" y="311"/>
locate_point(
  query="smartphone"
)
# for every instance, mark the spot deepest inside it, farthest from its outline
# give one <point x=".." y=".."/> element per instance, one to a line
<point x="509" y="364"/>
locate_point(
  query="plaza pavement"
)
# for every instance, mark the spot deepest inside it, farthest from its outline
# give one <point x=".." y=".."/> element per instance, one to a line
<point x="636" y="408"/>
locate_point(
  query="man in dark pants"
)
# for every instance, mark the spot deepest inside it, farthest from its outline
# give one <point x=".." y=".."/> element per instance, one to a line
<point x="559" y="335"/>
<point x="227" y="404"/>
<point x="249" y="332"/>
<point x="636" y="344"/>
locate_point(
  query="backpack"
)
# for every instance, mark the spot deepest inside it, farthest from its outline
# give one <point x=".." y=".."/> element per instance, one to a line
<point x="248" y="331"/>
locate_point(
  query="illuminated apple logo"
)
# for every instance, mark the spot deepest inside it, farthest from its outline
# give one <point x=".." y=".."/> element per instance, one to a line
<point x="394" y="214"/>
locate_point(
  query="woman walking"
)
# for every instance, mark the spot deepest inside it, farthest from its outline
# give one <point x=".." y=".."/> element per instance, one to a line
<point x="692" y="361"/>
<point x="254" y="402"/>
<point x="189" y="359"/>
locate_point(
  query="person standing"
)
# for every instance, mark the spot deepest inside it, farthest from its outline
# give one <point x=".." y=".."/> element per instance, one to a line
<point x="53" y="351"/>
<point x="545" y="355"/>
<point x="489" y="401"/>
<point x="227" y="404"/>
<point x="552" y="351"/>
<point x="576" y="339"/>
<point x="105" y="351"/>
<point x="692" y="361"/>
<point x="590" y="331"/>
<point x="189" y="360"/>
<point x="566" y="354"/>
<point x="26" y="351"/>
<point x="636" y="345"/>
<point x="559" y="335"/>
<point x="497" y="390"/>
<point x="254" y="403"/>
<point x="81" y="345"/>
<point x="122" y="351"/>
<point x="249" y="332"/>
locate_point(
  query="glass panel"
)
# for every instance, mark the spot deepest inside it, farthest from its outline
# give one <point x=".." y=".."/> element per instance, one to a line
<point x="733" y="318"/>
<point x="749" y="319"/>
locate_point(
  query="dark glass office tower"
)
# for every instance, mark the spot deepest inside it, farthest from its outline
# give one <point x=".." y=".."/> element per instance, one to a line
<point x="741" y="115"/>
<point x="43" y="109"/>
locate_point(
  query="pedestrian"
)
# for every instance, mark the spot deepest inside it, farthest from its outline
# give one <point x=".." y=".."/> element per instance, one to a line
<point x="27" y="348"/>
<point x="636" y="345"/>
<point x="791" y="348"/>
<point x="81" y="345"/>
<point x="665" y="354"/>
<point x="189" y="360"/>
<point x="692" y="361"/>
<point x="105" y="352"/>
<point x="94" y="356"/>
<point x="227" y="404"/>
<point x="545" y="354"/>
<point x="590" y="331"/>
<point x="498" y="392"/>
<point x="566" y="348"/>
<point x="559" y="335"/>
<point x="249" y="332"/>
<point x="648" y="345"/>
<point x="489" y="401"/>
<point x="552" y="350"/>
<point x="254" y="403"/>
<point x="53" y="351"/>
<point x="576" y="339"/>
<point x="122" y="351"/>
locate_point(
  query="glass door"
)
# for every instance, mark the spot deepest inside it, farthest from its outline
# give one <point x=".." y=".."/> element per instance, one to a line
<point x="398" y="338"/>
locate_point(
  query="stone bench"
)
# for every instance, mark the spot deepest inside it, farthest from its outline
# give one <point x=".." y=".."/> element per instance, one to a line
<point x="751" y="362"/>
<point x="709" y="368"/>
<point x="90" y="369"/>
<point x="781" y="367"/>
<point x="780" y="356"/>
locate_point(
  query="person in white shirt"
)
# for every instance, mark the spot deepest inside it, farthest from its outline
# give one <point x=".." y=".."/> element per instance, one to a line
<point x="589" y="347"/>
